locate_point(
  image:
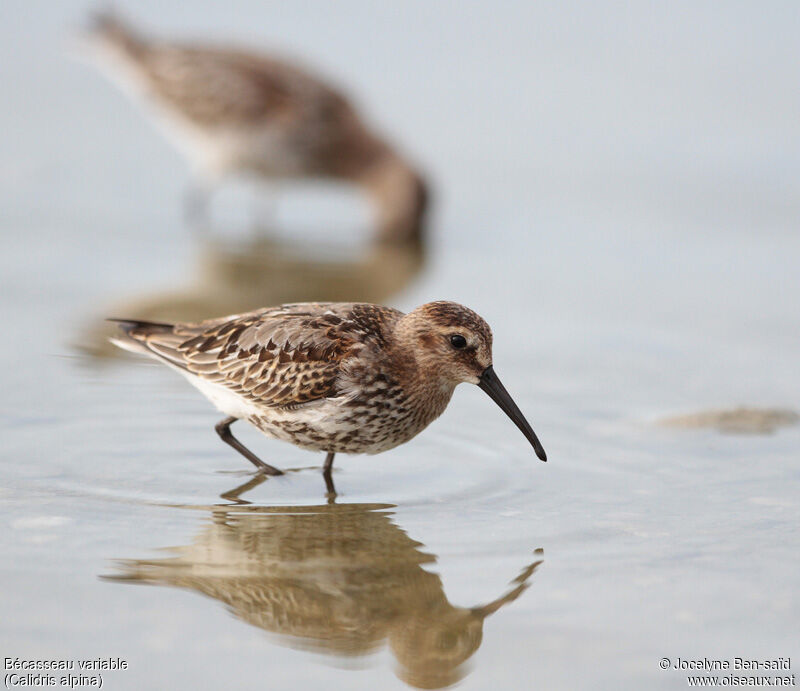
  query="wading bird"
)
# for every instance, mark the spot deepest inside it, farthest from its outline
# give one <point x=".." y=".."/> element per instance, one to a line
<point x="233" y="111"/>
<point x="332" y="377"/>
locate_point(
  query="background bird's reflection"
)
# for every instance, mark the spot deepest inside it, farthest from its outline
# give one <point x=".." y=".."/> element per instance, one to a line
<point x="233" y="276"/>
<point x="339" y="579"/>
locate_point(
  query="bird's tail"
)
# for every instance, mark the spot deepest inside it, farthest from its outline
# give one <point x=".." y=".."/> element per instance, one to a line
<point x="107" y="28"/>
<point x="134" y="334"/>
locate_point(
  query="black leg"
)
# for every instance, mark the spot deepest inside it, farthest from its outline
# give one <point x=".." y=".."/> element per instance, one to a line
<point x="224" y="431"/>
<point x="326" y="473"/>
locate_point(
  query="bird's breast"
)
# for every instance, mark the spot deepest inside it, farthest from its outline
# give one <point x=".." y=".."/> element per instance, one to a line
<point x="373" y="420"/>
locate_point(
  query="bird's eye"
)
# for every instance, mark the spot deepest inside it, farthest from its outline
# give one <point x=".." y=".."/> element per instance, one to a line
<point x="458" y="341"/>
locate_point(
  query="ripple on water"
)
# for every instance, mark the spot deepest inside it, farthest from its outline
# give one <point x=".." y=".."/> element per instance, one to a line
<point x="431" y="471"/>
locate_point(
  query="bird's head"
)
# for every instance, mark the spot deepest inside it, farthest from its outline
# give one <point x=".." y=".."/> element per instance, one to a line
<point x="452" y="344"/>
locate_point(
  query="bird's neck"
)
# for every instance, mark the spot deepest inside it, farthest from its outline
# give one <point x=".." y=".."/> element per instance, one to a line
<point x="400" y="198"/>
<point x="428" y="397"/>
<point x="423" y="382"/>
<point x="398" y="192"/>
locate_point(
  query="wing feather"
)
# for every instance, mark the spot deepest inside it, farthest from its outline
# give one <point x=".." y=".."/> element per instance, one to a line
<point x="279" y="357"/>
<point x="218" y="85"/>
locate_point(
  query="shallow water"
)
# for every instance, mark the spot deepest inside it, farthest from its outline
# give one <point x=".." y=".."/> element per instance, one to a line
<point x="617" y="195"/>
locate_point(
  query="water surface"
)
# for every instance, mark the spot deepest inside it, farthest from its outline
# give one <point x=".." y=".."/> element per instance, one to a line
<point x="616" y="194"/>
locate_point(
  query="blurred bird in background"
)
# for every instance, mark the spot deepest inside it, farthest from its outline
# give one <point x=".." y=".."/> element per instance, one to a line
<point x="232" y="111"/>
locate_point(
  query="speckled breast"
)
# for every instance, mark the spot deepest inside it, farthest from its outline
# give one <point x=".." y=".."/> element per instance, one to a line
<point x="379" y="418"/>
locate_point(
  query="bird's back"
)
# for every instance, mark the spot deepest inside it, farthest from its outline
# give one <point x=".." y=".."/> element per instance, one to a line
<point x="253" y="110"/>
<point x="275" y="357"/>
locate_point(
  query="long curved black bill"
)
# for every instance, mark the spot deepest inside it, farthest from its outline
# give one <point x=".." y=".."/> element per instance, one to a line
<point x="492" y="385"/>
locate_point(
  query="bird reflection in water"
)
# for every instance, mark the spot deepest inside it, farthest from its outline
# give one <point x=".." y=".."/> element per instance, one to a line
<point x="233" y="277"/>
<point x="338" y="579"/>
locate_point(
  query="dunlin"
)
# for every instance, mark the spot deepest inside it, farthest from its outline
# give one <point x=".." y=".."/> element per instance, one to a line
<point x="234" y="111"/>
<point x="332" y="377"/>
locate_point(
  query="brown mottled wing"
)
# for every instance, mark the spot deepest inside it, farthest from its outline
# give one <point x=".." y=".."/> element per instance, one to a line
<point x="282" y="356"/>
<point x="217" y="86"/>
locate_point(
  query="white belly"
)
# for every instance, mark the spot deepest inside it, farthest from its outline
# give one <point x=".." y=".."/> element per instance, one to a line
<point x="222" y="397"/>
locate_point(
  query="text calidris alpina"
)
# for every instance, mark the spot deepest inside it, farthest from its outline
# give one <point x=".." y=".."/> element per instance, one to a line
<point x="332" y="377"/>
<point x="234" y="111"/>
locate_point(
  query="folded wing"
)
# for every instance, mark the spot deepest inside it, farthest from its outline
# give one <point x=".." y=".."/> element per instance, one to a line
<point x="284" y="356"/>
